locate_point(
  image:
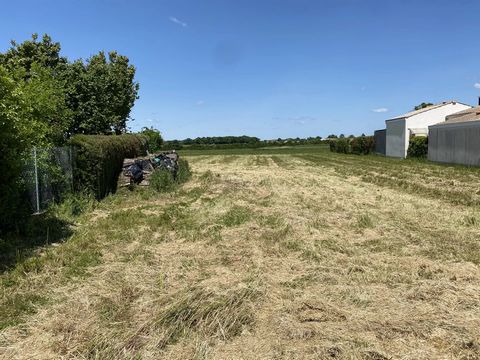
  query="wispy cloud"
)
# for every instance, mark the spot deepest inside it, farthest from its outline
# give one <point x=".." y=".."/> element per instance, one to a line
<point x="200" y="102"/>
<point x="380" y="110"/>
<point x="476" y="85"/>
<point x="178" y="22"/>
<point x="299" y="120"/>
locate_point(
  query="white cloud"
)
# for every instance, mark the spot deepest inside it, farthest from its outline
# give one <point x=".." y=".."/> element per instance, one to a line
<point x="476" y="85"/>
<point x="380" y="110"/>
<point x="200" y="102"/>
<point x="178" y="22"/>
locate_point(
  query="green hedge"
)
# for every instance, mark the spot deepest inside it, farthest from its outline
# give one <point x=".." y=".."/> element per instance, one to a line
<point x="361" y="145"/>
<point x="99" y="160"/>
<point x="418" y="147"/>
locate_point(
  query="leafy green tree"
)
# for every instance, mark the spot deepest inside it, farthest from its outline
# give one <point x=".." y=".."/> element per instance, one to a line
<point x="155" y="140"/>
<point x="101" y="92"/>
<point x="27" y="108"/>
<point x="45" y="53"/>
<point x="423" y="105"/>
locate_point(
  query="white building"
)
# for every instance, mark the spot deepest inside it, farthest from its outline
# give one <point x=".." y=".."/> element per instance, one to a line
<point x="416" y="123"/>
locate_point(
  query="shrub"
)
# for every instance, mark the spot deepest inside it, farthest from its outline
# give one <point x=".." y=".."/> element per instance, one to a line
<point x="343" y="146"/>
<point x="99" y="160"/>
<point x="184" y="173"/>
<point x="362" y="145"/>
<point x="154" y="139"/>
<point x="333" y="145"/>
<point x="418" y="147"/>
<point x="163" y="181"/>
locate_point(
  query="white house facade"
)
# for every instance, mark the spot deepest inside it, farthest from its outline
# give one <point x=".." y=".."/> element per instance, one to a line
<point x="400" y="128"/>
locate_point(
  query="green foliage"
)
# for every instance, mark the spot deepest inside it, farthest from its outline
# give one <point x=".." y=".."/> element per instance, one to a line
<point x="163" y="181"/>
<point x="343" y="146"/>
<point x="418" y="147"/>
<point x="44" y="100"/>
<point x="98" y="93"/>
<point x="101" y="93"/>
<point x="184" y="173"/>
<point x="362" y="145"/>
<point x="100" y="159"/>
<point x="154" y="137"/>
<point x="237" y="142"/>
<point x="44" y="53"/>
<point x="333" y="145"/>
<point x="423" y="105"/>
<point x="31" y="112"/>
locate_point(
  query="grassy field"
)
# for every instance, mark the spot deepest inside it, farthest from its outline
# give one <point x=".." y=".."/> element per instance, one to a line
<point x="277" y="253"/>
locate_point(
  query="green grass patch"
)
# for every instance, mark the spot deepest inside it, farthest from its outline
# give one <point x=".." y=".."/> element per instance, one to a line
<point x="236" y="216"/>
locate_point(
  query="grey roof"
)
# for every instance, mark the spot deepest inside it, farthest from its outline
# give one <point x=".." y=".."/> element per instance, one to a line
<point x="472" y="114"/>
<point x="428" y="108"/>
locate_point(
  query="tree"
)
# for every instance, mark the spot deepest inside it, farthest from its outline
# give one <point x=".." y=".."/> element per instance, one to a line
<point x="342" y="136"/>
<point x="332" y="136"/>
<point x="101" y="94"/>
<point x="44" y="53"/>
<point x="28" y="109"/>
<point x="155" y="140"/>
<point x="423" y="105"/>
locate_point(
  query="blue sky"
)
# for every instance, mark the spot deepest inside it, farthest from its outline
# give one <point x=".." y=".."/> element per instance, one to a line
<point x="270" y="68"/>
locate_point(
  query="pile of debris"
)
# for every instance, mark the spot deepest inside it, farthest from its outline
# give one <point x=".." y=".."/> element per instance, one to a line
<point x="137" y="171"/>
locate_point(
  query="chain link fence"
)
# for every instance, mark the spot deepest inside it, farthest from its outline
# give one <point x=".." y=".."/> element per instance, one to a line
<point x="48" y="176"/>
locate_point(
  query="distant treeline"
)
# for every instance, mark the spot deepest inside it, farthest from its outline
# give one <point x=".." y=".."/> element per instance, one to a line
<point x="223" y="142"/>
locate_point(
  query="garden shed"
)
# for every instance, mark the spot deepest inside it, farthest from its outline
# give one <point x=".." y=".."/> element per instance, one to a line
<point x="457" y="140"/>
<point x="416" y="123"/>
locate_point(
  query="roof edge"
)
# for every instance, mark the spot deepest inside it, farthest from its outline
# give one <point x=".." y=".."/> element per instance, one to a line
<point x="432" y="107"/>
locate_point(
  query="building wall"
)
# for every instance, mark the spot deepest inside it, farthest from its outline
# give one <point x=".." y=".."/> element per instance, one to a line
<point x="435" y="116"/>
<point x="380" y="141"/>
<point x="396" y="138"/>
<point x="457" y="143"/>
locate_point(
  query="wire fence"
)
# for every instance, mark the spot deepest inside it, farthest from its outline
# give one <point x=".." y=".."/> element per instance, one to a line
<point x="48" y="176"/>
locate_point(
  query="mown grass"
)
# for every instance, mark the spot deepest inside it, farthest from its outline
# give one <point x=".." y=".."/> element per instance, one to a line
<point x="281" y="256"/>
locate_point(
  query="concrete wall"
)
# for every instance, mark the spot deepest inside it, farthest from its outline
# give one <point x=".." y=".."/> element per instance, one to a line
<point x="380" y="141"/>
<point x="396" y="138"/>
<point x="457" y="143"/>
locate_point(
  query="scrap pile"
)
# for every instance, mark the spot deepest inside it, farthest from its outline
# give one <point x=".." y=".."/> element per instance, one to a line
<point x="137" y="171"/>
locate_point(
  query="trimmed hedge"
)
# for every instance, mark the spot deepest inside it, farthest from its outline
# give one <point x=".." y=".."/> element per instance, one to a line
<point x="361" y="145"/>
<point x="418" y="147"/>
<point x="99" y="160"/>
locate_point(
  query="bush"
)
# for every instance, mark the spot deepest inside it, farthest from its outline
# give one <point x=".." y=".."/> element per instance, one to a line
<point x="154" y="139"/>
<point x="163" y="181"/>
<point x="184" y="173"/>
<point x="362" y="145"/>
<point x="99" y="160"/>
<point x="333" y="145"/>
<point x="418" y="147"/>
<point x="343" y="146"/>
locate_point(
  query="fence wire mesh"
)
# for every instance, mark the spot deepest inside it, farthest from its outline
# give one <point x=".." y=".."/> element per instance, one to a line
<point x="48" y="176"/>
